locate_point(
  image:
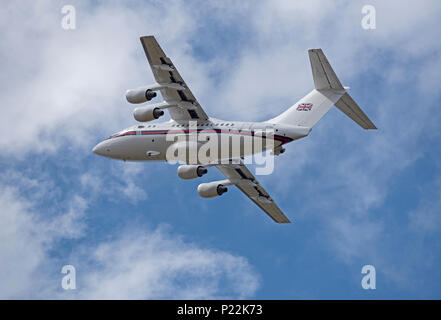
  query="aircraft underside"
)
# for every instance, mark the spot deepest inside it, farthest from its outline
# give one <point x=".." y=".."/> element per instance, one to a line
<point x="200" y="142"/>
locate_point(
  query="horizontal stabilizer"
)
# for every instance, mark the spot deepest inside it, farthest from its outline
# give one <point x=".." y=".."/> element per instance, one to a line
<point x="348" y="106"/>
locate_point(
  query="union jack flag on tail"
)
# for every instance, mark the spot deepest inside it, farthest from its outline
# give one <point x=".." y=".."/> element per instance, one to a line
<point x="304" y="106"/>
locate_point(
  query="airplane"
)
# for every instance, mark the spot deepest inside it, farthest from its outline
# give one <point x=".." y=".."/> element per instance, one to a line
<point x="149" y="142"/>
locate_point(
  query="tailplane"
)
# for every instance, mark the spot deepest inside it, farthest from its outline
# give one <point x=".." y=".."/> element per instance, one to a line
<point x="328" y="92"/>
<point x="349" y="107"/>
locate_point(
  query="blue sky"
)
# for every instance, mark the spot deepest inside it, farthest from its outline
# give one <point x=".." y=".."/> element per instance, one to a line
<point x="135" y="230"/>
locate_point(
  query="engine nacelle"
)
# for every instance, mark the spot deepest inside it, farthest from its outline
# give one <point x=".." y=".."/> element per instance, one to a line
<point x="191" y="171"/>
<point x="211" y="189"/>
<point x="141" y="94"/>
<point x="147" y="113"/>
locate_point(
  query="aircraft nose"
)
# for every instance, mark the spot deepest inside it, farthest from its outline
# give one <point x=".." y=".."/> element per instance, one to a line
<point x="95" y="149"/>
<point x="100" y="149"/>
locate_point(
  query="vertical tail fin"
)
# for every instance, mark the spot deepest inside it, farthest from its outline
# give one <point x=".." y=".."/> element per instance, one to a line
<point x="328" y="91"/>
<point x="322" y="72"/>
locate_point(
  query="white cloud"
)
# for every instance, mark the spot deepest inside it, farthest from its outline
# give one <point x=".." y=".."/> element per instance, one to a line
<point x="71" y="83"/>
<point x="21" y="248"/>
<point x="67" y="84"/>
<point x="69" y="224"/>
<point x="136" y="264"/>
<point x="122" y="181"/>
<point x="146" y="265"/>
<point x="25" y="239"/>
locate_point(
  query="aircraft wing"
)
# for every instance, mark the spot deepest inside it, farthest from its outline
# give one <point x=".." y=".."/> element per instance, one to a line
<point x="165" y="72"/>
<point x="242" y="178"/>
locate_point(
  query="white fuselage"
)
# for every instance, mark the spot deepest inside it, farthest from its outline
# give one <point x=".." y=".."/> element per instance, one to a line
<point x="150" y="141"/>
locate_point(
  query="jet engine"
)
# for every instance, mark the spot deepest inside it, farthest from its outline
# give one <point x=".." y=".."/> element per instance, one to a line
<point x="147" y="113"/>
<point x="211" y="189"/>
<point x="191" y="171"/>
<point x="141" y="94"/>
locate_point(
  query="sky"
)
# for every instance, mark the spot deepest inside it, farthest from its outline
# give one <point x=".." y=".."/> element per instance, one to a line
<point x="137" y="231"/>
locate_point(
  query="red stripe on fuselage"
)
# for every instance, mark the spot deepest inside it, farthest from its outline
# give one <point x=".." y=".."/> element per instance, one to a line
<point x="251" y="133"/>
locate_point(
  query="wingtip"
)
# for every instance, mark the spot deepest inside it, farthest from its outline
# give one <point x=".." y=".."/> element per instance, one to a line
<point x="146" y="37"/>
